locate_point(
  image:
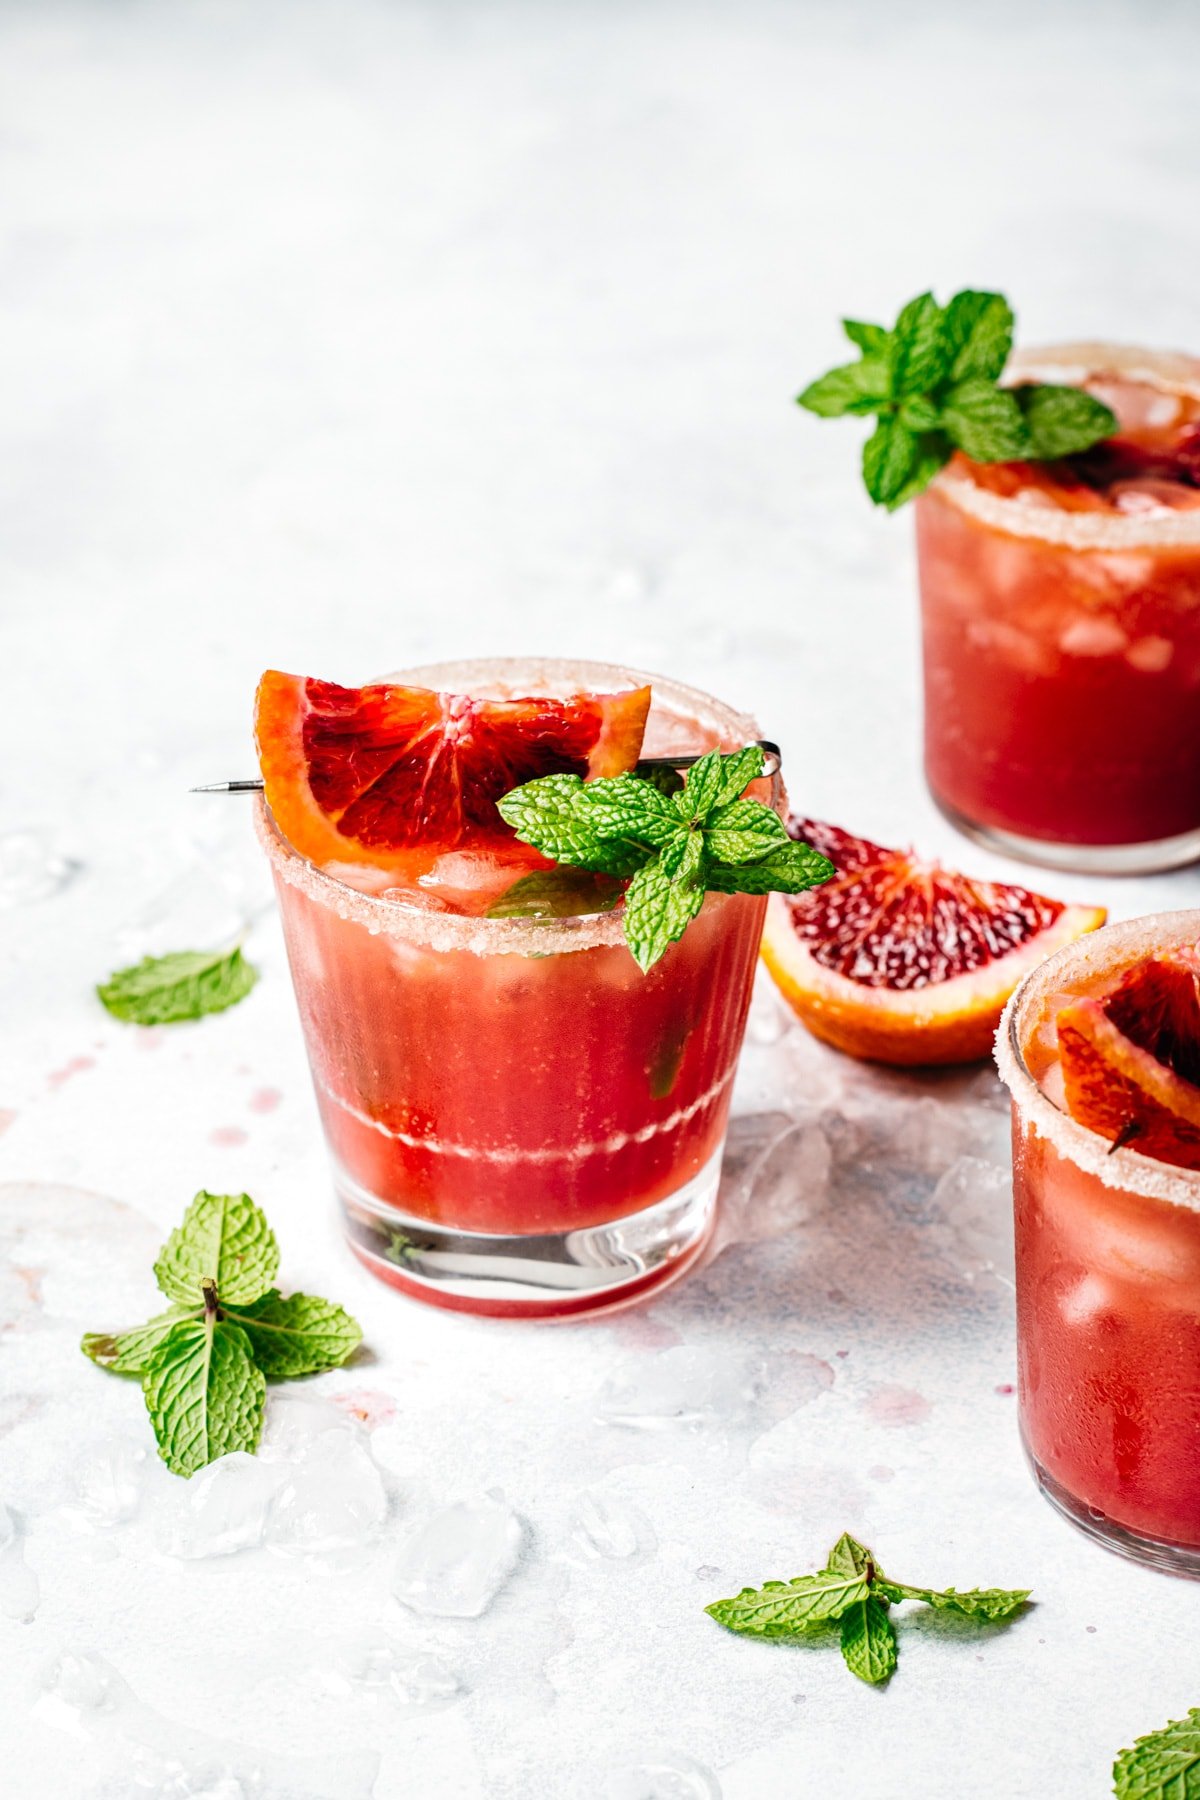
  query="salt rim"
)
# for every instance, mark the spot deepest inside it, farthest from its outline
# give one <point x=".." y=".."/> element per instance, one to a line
<point x="1106" y="953"/>
<point x="1169" y="370"/>
<point x="497" y="678"/>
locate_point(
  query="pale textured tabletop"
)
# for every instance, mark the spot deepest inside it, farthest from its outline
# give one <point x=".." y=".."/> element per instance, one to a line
<point x="336" y="336"/>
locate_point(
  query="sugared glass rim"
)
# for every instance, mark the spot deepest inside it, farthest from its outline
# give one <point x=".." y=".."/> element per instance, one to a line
<point x="1105" y="953"/>
<point x="391" y="916"/>
<point x="1171" y="370"/>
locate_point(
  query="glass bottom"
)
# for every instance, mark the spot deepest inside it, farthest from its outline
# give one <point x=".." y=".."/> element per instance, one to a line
<point x="1079" y="859"/>
<point x="554" y="1275"/>
<point x="1154" y="1553"/>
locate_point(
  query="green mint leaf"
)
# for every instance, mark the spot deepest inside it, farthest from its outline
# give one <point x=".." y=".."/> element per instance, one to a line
<point x="853" y="388"/>
<point x="869" y="1641"/>
<point x="978" y="333"/>
<point x="203" y="1393"/>
<point x="666" y="780"/>
<point x="790" y="1608"/>
<point x="563" y="893"/>
<point x="225" y="1239"/>
<point x="849" y="1557"/>
<point x="934" y="451"/>
<point x="657" y="912"/>
<point x="548" y="814"/>
<point x="162" y="990"/>
<point x="993" y="1604"/>
<point x="610" y="826"/>
<point x="919" y="413"/>
<point x="888" y="457"/>
<point x="921" y="356"/>
<point x="717" y="779"/>
<point x="299" y="1335"/>
<point x="791" y="869"/>
<point x="872" y="340"/>
<point x="1165" y="1765"/>
<point x="682" y="860"/>
<point x="624" y="809"/>
<point x="128" y="1352"/>
<point x="1061" y="421"/>
<point x="985" y="421"/>
<point x="743" y="831"/>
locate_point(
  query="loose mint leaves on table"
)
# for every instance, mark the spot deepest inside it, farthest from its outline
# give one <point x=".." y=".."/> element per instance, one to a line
<point x="853" y="1593"/>
<point x="673" y="847"/>
<point x="1163" y="1766"/>
<point x="932" y="381"/>
<point x="204" y="1363"/>
<point x="162" y="990"/>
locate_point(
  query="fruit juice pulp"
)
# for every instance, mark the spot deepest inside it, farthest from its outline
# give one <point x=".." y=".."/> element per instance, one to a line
<point x="1061" y="621"/>
<point x="1108" y="1281"/>
<point x="515" y="1076"/>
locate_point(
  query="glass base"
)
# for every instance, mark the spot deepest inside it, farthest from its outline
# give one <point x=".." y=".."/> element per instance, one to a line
<point x="552" y="1276"/>
<point x="1155" y="1553"/>
<point x="1079" y="859"/>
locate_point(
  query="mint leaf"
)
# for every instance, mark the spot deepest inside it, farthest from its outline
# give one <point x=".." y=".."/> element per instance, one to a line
<point x="1165" y="1765"/>
<point x="203" y="1393"/>
<point x="743" y="831"/>
<point x="852" y="388"/>
<point x="224" y="1239"/>
<point x="869" y="1641"/>
<point x="921" y="355"/>
<point x="590" y="825"/>
<point x="299" y="1335"/>
<point x="683" y="858"/>
<point x="128" y="1352"/>
<point x="985" y="421"/>
<point x="872" y="340"/>
<point x="623" y="809"/>
<point x="717" y="779"/>
<point x="888" y="458"/>
<point x="934" y="451"/>
<point x="993" y="1604"/>
<point x="920" y="413"/>
<point x="1061" y="421"/>
<point x="162" y="990"/>
<point x="564" y="893"/>
<point x="978" y="333"/>
<point x="790" y="1608"/>
<point x="792" y="869"/>
<point x="848" y="1556"/>
<point x="657" y="912"/>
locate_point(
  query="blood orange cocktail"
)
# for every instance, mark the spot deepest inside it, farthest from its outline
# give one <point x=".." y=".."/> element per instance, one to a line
<point x="520" y="1120"/>
<point x="1061" y="619"/>
<point x="1108" y="1281"/>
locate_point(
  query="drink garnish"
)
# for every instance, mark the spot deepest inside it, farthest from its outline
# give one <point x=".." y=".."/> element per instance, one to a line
<point x="901" y="960"/>
<point x="1164" y="1765"/>
<point x="852" y="1592"/>
<point x="186" y="984"/>
<point x="707" y="836"/>
<point x="931" y="382"/>
<point x="1131" y="1059"/>
<point x="204" y="1363"/>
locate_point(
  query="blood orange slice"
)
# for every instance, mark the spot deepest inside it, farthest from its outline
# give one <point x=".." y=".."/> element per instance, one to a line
<point x="1131" y="1060"/>
<point x="899" y="960"/>
<point x="374" y="774"/>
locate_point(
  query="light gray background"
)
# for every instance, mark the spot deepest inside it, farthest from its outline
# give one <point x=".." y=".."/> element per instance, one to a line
<point x="334" y="336"/>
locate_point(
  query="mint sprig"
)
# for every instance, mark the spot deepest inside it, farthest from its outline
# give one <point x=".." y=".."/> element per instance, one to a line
<point x="187" y="984"/>
<point x="1165" y="1765"/>
<point x="932" y="382"/>
<point x="204" y="1363"/>
<point x="673" y="842"/>
<point x="853" y="1593"/>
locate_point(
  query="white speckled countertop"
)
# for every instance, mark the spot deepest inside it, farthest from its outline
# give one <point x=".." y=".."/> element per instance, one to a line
<point x="340" y="335"/>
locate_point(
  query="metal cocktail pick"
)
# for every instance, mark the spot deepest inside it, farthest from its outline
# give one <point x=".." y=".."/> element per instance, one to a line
<point x="649" y="765"/>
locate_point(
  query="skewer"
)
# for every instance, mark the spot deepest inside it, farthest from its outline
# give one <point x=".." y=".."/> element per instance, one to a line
<point x="649" y="765"/>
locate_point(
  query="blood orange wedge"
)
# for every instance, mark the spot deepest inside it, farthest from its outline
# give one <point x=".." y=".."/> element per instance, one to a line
<point x="898" y="960"/>
<point x="375" y="774"/>
<point x="1131" y="1059"/>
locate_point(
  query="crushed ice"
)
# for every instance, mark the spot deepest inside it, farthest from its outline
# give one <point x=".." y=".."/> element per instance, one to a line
<point x="456" y="1562"/>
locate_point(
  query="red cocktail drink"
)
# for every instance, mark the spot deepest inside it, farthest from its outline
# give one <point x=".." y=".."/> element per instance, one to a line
<point x="1108" y="1281"/>
<point x="1061" y="617"/>
<point x="520" y="1120"/>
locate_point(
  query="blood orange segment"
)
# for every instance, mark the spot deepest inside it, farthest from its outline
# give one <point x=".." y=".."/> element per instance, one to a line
<point x="900" y="960"/>
<point x="386" y="773"/>
<point x="1131" y="1060"/>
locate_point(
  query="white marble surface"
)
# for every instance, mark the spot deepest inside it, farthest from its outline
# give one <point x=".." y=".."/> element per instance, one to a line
<point x="337" y="335"/>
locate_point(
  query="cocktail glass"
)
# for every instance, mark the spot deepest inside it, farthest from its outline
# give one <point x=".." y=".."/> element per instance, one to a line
<point x="520" y="1121"/>
<point x="1108" y="1283"/>
<point x="1062" y="658"/>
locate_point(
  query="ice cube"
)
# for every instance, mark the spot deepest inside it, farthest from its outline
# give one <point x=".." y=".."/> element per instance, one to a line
<point x="108" y="1483"/>
<point x="455" y="1564"/>
<point x="222" y="1508"/>
<point x="1094" y="636"/>
<point x="686" y="1385"/>
<point x="331" y="1500"/>
<point x="32" y="868"/>
<point x="74" y="1685"/>
<point x="974" y="1198"/>
<point x="666" y="1775"/>
<point x="607" y="1528"/>
<point x="294" y="1420"/>
<point x="1150" y="655"/>
<point x="786" y="1185"/>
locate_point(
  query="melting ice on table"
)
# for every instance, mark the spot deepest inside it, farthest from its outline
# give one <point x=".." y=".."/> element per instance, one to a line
<point x="455" y="1564"/>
